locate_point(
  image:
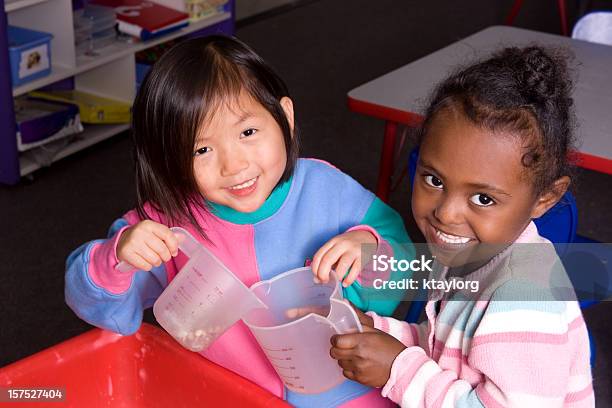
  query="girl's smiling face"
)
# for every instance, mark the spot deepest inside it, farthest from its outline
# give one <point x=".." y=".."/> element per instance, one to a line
<point x="471" y="188"/>
<point x="240" y="154"/>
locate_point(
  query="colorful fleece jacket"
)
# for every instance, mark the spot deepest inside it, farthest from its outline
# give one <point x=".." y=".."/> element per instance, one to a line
<point x="521" y="343"/>
<point x="318" y="203"/>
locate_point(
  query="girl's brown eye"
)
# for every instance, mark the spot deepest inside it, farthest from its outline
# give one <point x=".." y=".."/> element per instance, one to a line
<point x="249" y="132"/>
<point x="433" y="181"/>
<point x="482" y="200"/>
<point x="202" y="150"/>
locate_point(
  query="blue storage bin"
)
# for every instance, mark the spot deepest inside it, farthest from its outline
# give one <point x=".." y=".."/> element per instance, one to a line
<point x="38" y="120"/>
<point x="141" y="72"/>
<point x="29" y="54"/>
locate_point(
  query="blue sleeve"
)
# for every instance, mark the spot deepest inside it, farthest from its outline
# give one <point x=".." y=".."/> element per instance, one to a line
<point x="120" y="313"/>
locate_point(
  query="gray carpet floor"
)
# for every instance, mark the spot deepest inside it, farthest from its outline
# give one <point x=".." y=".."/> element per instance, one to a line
<point x="322" y="49"/>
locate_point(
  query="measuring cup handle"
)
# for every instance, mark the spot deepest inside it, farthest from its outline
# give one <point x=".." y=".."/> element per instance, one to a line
<point x="188" y="245"/>
<point x="124" y="267"/>
<point x="343" y="317"/>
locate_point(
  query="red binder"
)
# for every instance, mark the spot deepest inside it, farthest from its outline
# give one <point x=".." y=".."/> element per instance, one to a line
<point x="144" y="18"/>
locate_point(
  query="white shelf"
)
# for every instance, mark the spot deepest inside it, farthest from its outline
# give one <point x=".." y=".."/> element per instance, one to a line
<point x="113" y="52"/>
<point x="58" y="72"/>
<point x="90" y="136"/>
<point x="12" y="5"/>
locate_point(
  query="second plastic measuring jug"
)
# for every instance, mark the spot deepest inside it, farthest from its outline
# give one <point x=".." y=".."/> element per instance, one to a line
<point x="203" y="300"/>
<point x="298" y="349"/>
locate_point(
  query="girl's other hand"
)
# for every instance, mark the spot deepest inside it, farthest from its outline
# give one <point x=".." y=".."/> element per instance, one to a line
<point x="146" y="245"/>
<point x="366" y="357"/>
<point x="341" y="253"/>
<point x="364" y="319"/>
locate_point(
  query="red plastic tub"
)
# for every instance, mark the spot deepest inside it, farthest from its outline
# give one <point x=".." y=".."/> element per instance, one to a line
<point x="148" y="369"/>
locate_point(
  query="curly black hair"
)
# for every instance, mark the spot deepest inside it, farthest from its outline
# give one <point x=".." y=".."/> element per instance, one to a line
<point x="525" y="91"/>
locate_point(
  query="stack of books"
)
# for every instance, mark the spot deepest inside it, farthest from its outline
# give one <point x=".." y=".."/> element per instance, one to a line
<point x="145" y="19"/>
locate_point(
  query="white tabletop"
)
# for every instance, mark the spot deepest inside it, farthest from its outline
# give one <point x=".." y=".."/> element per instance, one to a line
<point x="407" y="88"/>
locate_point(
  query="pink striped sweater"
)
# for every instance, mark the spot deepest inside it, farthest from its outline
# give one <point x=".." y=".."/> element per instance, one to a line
<point x="518" y="346"/>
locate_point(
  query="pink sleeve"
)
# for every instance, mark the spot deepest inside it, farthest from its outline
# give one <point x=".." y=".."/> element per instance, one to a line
<point x="501" y="369"/>
<point x="367" y="275"/>
<point x="407" y="333"/>
<point x="103" y="263"/>
<point x="416" y="380"/>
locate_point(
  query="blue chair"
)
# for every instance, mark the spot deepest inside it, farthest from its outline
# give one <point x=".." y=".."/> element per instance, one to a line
<point x="558" y="225"/>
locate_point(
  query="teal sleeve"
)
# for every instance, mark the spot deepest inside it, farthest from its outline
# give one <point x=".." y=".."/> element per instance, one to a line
<point x="390" y="226"/>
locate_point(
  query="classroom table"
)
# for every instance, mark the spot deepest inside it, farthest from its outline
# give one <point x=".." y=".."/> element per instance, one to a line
<point x="400" y="96"/>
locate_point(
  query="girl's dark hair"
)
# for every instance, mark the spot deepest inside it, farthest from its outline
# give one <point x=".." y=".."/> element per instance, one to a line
<point x="524" y="91"/>
<point x="185" y="87"/>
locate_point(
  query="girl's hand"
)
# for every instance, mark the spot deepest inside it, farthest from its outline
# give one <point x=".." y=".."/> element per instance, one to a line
<point x="341" y="253"/>
<point x="364" y="319"/>
<point x="366" y="357"/>
<point x="147" y="244"/>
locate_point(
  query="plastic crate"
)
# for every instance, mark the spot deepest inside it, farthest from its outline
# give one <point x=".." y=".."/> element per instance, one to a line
<point x="148" y="369"/>
<point x="94" y="27"/>
<point x="29" y="54"/>
<point x="41" y="121"/>
<point x="93" y="109"/>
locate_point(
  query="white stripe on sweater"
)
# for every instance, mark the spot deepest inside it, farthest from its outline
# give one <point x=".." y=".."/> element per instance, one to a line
<point x="518" y="399"/>
<point x="522" y="321"/>
<point x="415" y="392"/>
<point x="456" y="391"/>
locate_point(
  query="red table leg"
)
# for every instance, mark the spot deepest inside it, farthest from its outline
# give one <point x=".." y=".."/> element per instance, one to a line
<point x="516" y="6"/>
<point x="563" y="17"/>
<point x="385" y="169"/>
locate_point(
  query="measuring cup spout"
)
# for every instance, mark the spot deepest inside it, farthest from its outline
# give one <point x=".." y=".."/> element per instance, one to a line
<point x="263" y="290"/>
<point x="187" y="243"/>
<point x="343" y="317"/>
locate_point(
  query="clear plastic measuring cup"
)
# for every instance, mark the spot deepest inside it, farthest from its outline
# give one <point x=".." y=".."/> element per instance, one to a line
<point x="203" y="300"/>
<point x="298" y="349"/>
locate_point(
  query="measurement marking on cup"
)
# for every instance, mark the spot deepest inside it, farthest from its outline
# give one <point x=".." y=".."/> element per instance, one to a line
<point x="183" y="292"/>
<point x="212" y="298"/>
<point x="195" y="286"/>
<point x="177" y="300"/>
<point x="285" y="368"/>
<point x="281" y="349"/>
<point x="279" y="358"/>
